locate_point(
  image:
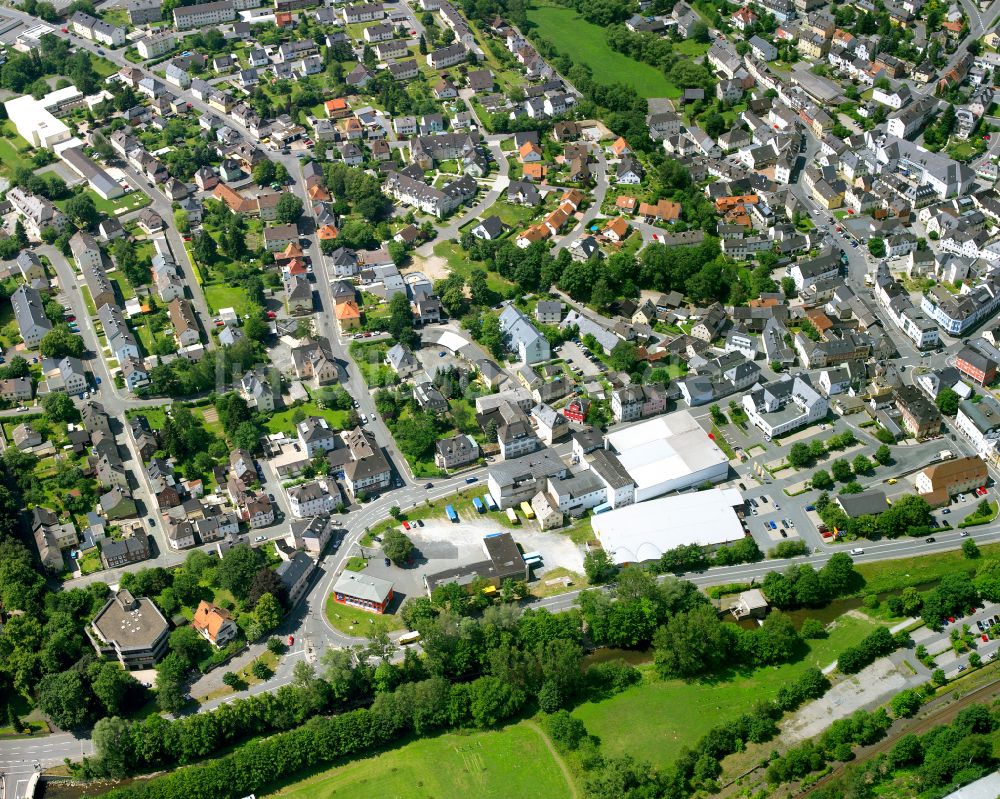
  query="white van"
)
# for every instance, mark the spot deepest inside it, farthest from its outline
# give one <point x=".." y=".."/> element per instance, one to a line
<point x="857" y="551"/>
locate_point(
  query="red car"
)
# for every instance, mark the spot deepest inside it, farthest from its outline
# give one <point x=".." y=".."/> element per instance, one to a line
<point x="271" y="315"/>
<point x="986" y="637"/>
<point x="951" y="619"/>
<point x="71" y="318"/>
<point x="291" y="640"/>
<point x="406" y="525"/>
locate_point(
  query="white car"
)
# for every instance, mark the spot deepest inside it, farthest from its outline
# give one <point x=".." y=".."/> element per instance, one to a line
<point x="857" y="551"/>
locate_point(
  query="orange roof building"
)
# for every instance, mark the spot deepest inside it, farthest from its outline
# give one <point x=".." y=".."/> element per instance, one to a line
<point x="214" y="623"/>
<point x="534" y="233"/>
<point x="663" y="211"/>
<point x="536" y="171"/>
<point x="328" y="233"/>
<point x="337" y="108"/>
<point x="620" y="147"/>
<point x="726" y="203"/>
<point x="529" y="152"/>
<point x="617" y="229"/>
<point x="293" y="250"/>
<point x="348" y="316"/>
<point x="574" y="197"/>
<point x="628" y="204"/>
<point x="282" y="19"/>
<point x="235" y="201"/>
<point x="318" y="193"/>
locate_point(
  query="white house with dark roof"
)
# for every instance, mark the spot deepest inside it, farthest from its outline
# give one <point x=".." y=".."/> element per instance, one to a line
<point x="523" y="337"/>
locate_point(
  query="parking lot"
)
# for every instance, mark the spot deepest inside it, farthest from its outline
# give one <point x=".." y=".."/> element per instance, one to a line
<point x="939" y="644"/>
<point x="574" y="354"/>
<point x="442" y="545"/>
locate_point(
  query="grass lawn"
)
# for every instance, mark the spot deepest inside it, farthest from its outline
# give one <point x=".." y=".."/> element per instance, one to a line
<point x="459" y="263"/>
<point x="370" y="359"/>
<point x="894" y="575"/>
<point x="120" y="205"/>
<point x="124" y="287"/>
<point x="102" y="66"/>
<point x="586" y="43"/>
<point x="155" y="416"/>
<point x="10" y="157"/>
<point x="512" y="763"/>
<point x="985" y="518"/>
<point x="691" y="48"/>
<point x="88" y="301"/>
<point x="221" y="295"/>
<point x="657" y="718"/>
<point x="281" y="422"/>
<point x="517" y="216"/>
<point x="91" y="562"/>
<point x="356" y="621"/>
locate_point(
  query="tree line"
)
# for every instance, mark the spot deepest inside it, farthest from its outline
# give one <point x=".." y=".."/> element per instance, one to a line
<point x="939" y="761"/>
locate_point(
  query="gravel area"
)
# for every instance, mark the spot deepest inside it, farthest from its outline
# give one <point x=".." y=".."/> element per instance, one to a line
<point x="868" y="688"/>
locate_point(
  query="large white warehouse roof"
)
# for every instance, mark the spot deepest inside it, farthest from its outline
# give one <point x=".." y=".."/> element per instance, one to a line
<point x="667" y="453"/>
<point x="644" y="531"/>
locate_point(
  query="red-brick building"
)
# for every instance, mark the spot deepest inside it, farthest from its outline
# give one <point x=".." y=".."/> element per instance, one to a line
<point x="364" y="591"/>
<point x="576" y="409"/>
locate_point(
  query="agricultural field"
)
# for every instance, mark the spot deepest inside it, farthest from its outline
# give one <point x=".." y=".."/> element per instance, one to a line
<point x="513" y="763"/>
<point x="658" y="718"/>
<point x="571" y="34"/>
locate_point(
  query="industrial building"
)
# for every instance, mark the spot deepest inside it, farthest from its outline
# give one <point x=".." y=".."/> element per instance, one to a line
<point x="643" y="532"/>
<point x="668" y="453"/>
<point x="35" y="123"/>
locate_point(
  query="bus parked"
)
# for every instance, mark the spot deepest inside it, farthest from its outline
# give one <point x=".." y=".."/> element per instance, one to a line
<point x="451" y="513"/>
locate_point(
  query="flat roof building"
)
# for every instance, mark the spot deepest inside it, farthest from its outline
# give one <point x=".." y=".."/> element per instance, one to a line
<point x="643" y="532"/>
<point x="668" y="453"/>
<point x="35" y="122"/>
<point x="131" y="629"/>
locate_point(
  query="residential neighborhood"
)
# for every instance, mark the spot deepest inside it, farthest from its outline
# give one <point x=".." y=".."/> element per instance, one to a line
<point x="488" y="367"/>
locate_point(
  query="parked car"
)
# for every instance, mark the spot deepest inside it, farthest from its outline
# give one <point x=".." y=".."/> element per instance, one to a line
<point x="406" y="525"/>
<point x="386" y="562"/>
